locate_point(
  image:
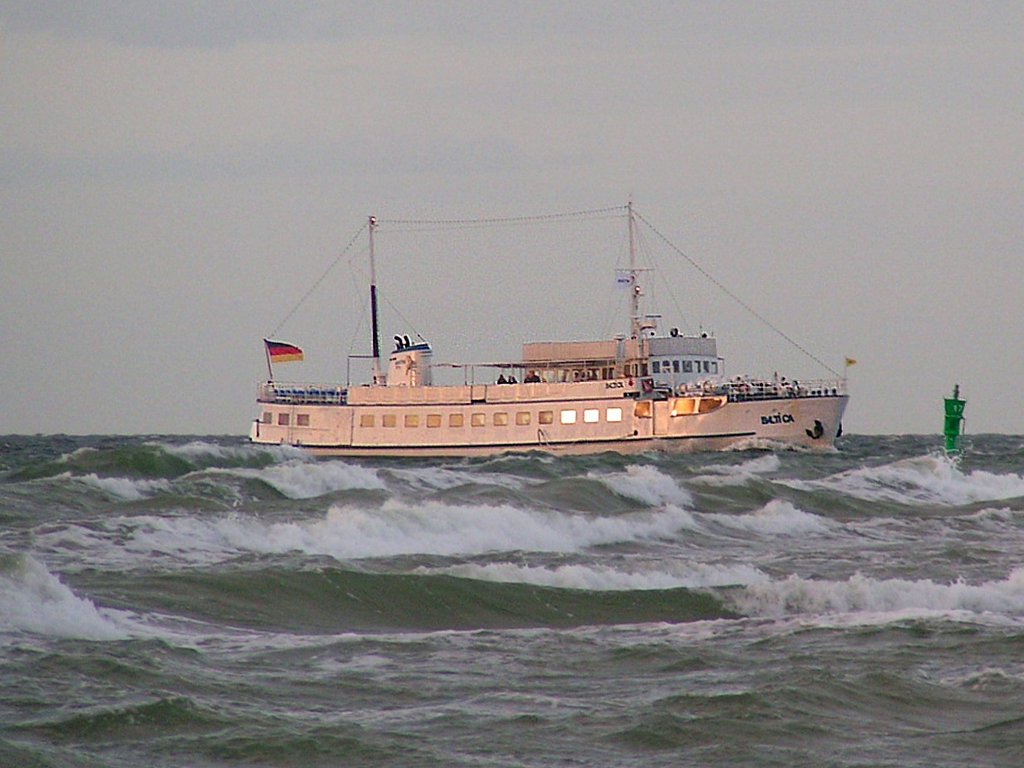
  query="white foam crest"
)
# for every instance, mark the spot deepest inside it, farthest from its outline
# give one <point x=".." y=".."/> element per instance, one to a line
<point x="921" y="480"/>
<point x="861" y="594"/>
<point x="129" y="489"/>
<point x="443" y="478"/>
<point x="646" y="484"/>
<point x="309" y="479"/>
<point x="200" y="449"/>
<point x="759" y="466"/>
<point x="777" y="518"/>
<point x="724" y="475"/>
<point x="433" y="528"/>
<point x="395" y="529"/>
<point x="34" y="600"/>
<point x="607" y="579"/>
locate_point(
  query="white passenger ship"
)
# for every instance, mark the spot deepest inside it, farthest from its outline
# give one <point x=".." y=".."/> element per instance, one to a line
<point x="637" y="392"/>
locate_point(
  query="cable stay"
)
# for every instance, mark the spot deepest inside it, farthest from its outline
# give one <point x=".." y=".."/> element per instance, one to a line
<point x="734" y="297"/>
<point x="421" y="225"/>
<point x="316" y="285"/>
<point x="618" y="210"/>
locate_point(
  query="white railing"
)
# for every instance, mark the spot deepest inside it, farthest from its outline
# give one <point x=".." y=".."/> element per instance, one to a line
<point x="773" y="389"/>
<point x="301" y="394"/>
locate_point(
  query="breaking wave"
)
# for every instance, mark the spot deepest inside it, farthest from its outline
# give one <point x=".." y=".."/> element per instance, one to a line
<point x="932" y="479"/>
<point x="861" y="594"/>
<point x="34" y="600"/>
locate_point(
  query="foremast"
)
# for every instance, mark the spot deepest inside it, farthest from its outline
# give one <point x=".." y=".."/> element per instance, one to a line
<point x="378" y="377"/>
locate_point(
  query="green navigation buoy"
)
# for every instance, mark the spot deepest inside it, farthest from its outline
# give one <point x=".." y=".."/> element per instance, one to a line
<point x="954" y="420"/>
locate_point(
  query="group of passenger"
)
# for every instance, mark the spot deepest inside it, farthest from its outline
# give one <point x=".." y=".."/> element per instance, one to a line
<point x="756" y="389"/>
<point x="531" y="378"/>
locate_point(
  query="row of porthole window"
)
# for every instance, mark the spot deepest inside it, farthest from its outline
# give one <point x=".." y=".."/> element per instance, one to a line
<point x="284" y="420"/>
<point x="498" y="418"/>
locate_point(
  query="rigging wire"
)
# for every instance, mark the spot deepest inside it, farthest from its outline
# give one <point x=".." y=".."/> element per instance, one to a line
<point x="501" y="221"/>
<point x="317" y="283"/>
<point x="733" y="296"/>
<point x="648" y="255"/>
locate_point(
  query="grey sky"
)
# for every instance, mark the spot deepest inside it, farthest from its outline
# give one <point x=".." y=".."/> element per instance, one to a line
<point x="175" y="176"/>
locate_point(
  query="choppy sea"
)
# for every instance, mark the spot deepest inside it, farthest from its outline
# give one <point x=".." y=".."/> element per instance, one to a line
<point x="169" y="601"/>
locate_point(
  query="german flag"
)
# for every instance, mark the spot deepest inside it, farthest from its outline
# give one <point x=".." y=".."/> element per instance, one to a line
<point x="280" y="352"/>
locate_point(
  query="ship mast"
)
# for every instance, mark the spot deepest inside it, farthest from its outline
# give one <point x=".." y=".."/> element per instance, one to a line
<point x="373" y="306"/>
<point x="634" y="305"/>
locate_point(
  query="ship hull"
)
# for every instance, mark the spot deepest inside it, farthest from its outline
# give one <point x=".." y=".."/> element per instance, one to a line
<point x="417" y="429"/>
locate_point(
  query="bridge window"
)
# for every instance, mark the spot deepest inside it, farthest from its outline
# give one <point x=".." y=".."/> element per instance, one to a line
<point x="546" y="417"/>
<point x="501" y="419"/>
<point x="302" y="419"/>
<point x="675" y="366"/>
<point x="268" y="417"/>
<point x="523" y="418"/>
<point x="282" y="419"/>
<point x="568" y="417"/>
<point x="687" y="366"/>
<point x="656" y="367"/>
<point x="591" y="415"/>
<point x="433" y="420"/>
<point x="455" y="420"/>
<point x="388" y="420"/>
<point x="478" y="419"/>
<point x="613" y="414"/>
<point x="366" y="420"/>
<point x="412" y="420"/>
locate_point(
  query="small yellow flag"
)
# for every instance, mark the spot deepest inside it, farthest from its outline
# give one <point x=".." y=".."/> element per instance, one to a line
<point x="850" y="361"/>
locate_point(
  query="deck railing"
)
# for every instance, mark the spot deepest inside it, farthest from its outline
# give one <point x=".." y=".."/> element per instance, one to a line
<point x="301" y="394"/>
<point x="760" y="389"/>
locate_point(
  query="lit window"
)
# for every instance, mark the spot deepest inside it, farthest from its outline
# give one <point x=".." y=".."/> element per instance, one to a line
<point x="501" y="419"/>
<point x="282" y="419"/>
<point x="614" y="414"/>
<point x="546" y="417"/>
<point x="302" y="420"/>
<point x="388" y="420"/>
<point x="433" y="420"/>
<point x="591" y="415"/>
<point x="412" y="420"/>
<point x="478" y="420"/>
<point x="366" y="420"/>
<point x="568" y="417"/>
<point x="523" y="418"/>
<point x="455" y="420"/>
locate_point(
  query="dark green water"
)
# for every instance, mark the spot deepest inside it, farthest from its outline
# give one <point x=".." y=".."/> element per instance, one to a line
<point x="201" y="602"/>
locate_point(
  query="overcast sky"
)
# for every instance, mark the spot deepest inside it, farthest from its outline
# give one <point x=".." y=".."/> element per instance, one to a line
<point x="175" y="177"/>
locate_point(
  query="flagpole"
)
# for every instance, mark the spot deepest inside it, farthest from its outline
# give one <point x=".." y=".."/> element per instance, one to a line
<point x="266" y="351"/>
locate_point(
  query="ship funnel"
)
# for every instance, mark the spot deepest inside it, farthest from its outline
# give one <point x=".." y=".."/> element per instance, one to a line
<point x="410" y="364"/>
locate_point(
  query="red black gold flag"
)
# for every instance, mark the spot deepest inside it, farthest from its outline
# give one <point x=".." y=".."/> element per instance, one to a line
<point x="280" y="352"/>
